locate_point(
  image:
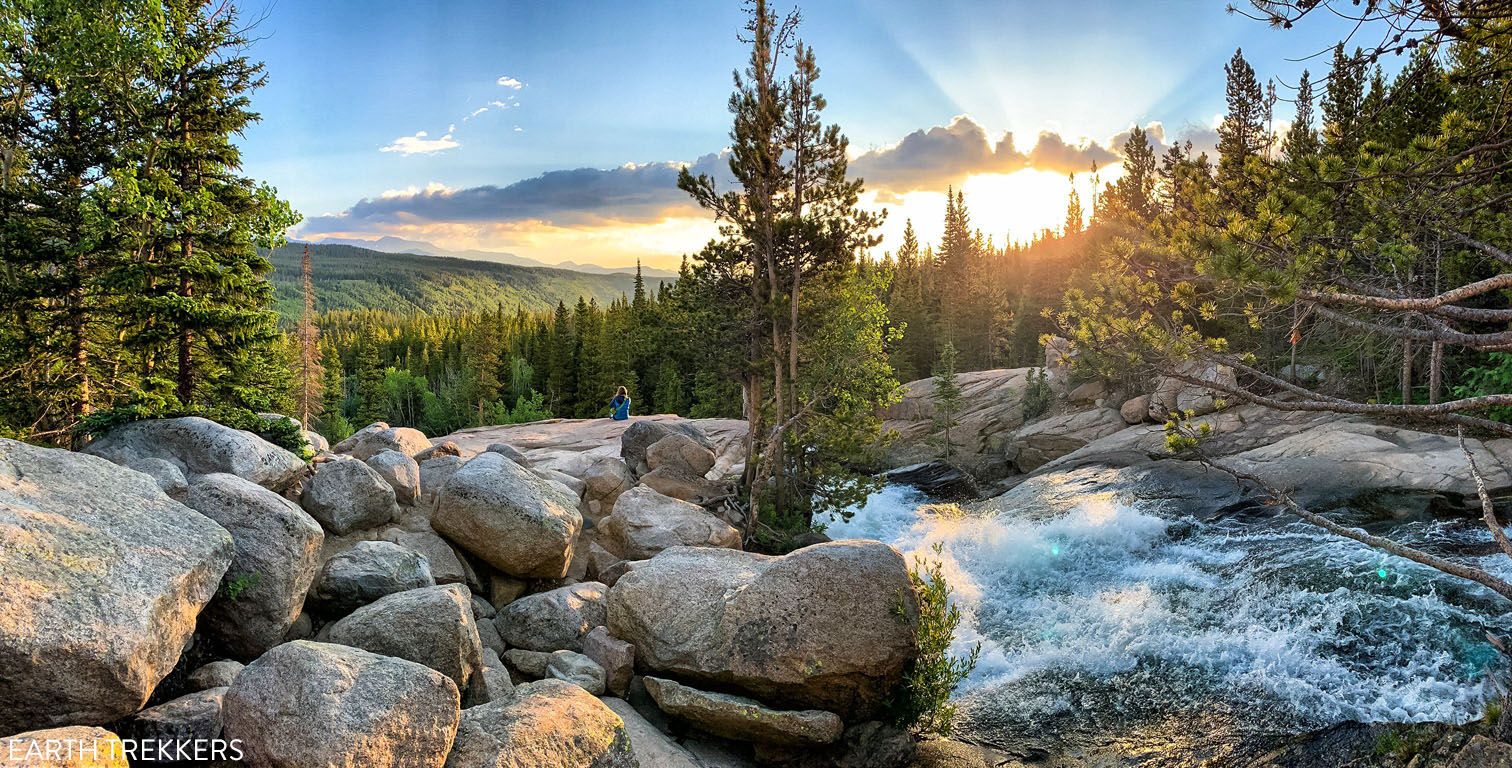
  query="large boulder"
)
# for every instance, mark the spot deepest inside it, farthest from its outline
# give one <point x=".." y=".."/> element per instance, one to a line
<point x="939" y="479"/>
<point x="277" y="556"/>
<point x="436" y="471"/>
<point x="101" y="579"/>
<point x="682" y="452"/>
<point x="347" y="495"/>
<point x="76" y="746"/>
<point x="306" y="704"/>
<point x="200" y="447"/>
<point x="645" y="522"/>
<point x="378" y="437"/>
<point x="831" y="626"/>
<point x="366" y="572"/>
<point x="508" y="517"/>
<point x="1176" y="395"/>
<point x="545" y="724"/>
<point x="433" y="626"/>
<point x="446" y="565"/>
<point x="606" y="478"/>
<point x="554" y="620"/>
<point x="637" y="439"/>
<point x="743" y="719"/>
<point x="1054" y="437"/>
<point x="401" y="472"/>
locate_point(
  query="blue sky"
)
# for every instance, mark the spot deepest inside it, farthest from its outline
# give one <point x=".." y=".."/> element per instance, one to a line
<point x="597" y="85"/>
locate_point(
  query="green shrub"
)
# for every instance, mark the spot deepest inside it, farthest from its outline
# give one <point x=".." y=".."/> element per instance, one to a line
<point x="1038" y="396"/>
<point x="923" y="700"/>
<point x="284" y="433"/>
<point x="234" y="587"/>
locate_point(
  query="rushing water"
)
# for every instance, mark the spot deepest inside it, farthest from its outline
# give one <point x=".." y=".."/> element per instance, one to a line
<point x="1109" y="622"/>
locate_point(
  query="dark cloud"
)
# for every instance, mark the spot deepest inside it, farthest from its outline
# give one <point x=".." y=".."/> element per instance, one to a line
<point x="937" y="157"/>
<point x="640" y="193"/>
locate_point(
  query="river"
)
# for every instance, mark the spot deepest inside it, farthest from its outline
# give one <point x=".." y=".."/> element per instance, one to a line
<point x="1134" y="628"/>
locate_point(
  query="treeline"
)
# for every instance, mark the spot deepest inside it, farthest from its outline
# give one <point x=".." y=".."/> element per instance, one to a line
<point x="128" y="235"/>
<point x="1353" y="262"/>
<point x="443" y="373"/>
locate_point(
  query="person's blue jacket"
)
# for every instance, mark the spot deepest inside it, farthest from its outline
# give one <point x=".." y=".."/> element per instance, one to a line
<point x="619" y="408"/>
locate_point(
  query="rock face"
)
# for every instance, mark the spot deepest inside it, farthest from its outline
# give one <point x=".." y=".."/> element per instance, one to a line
<point x="74" y="747"/>
<point x="277" y="556"/>
<point x="367" y="572"/>
<point x="682" y="452"/>
<point x="992" y="408"/>
<point x="216" y="674"/>
<point x="551" y="621"/>
<point x="616" y="656"/>
<point x="432" y="626"/>
<point x="400" y="472"/>
<point x="645" y="522"/>
<point x="605" y="479"/>
<point x="1176" y="395"/>
<point x="513" y="520"/>
<point x="199" y="447"/>
<point x="104" y="576"/>
<point x="378" y="437"/>
<point x="830" y="626"/>
<point x="545" y="724"/>
<point x="308" y="704"/>
<point x="742" y="719"/>
<point x="651" y="746"/>
<point x="1051" y="438"/>
<point x="347" y="495"/>
<point x="940" y="479"/>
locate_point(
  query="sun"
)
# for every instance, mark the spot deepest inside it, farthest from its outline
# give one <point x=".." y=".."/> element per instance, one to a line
<point x="1008" y="207"/>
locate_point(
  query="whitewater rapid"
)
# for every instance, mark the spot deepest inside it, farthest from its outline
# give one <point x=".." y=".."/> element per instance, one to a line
<point x="1110" y="616"/>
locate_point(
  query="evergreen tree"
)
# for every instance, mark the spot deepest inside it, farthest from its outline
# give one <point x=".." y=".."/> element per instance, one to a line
<point x="1302" y="138"/>
<point x="947" y="396"/>
<point x="1242" y="135"/>
<point x="1342" y="104"/>
<point x="1075" y="217"/>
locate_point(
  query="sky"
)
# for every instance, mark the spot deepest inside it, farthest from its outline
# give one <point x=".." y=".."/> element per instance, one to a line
<point x="554" y="130"/>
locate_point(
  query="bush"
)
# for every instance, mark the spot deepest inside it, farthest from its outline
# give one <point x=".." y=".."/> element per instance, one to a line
<point x="923" y="702"/>
<point x="1038" y="396"/>
<point x="284" y="433"/>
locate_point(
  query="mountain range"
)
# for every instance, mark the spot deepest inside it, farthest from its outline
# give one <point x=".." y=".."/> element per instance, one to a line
<point x="348" y="277"/>
<point x="390" y="244"/>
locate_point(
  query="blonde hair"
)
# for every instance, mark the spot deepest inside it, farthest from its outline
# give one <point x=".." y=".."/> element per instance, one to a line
<point x="623" y="391"/>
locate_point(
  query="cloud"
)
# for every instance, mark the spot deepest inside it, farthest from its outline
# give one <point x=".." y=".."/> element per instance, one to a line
<point x="1053" y="153"/>
<point x="936" y="157"/>
<point x="475" y="113"/>
<point x="511" y="83"/>
<point x="631" y="193"/>
<point x="500" y="105"/>
<point x="421" y="144"/>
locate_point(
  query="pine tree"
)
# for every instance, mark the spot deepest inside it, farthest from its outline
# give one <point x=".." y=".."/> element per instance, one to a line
<point x="1302" y="138"/>
<point x="1242" y="134"/>
<point x="947" y="396"/>
<point x="1341" y="104"/>
<point x="1075" y="217"/>
<point x="309" y="374"/>
<point x="1133" y="194"/>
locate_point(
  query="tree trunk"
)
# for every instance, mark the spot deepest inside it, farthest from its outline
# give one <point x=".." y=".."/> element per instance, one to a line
<point x="1435" y="373"/>
<point x="1406" y="382"/>
<point x="186" y="336"/>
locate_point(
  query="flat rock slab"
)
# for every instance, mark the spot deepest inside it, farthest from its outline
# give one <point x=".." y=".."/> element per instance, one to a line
<point x="743" y="719"/>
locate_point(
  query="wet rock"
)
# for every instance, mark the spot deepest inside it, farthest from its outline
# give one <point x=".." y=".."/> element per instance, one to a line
<point x="308" y="704"/>
<point x="277" y="554"/>
<point x="103" y="578"/>
<point x="514" y="521"/>
<point x="940" y="479"/>
<point x="743" y="719"/>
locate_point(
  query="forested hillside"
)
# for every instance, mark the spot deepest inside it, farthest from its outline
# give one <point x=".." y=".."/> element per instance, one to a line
<point x="351" y="278"/>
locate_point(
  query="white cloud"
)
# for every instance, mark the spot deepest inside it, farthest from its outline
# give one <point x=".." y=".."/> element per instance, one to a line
<point x="509" y="82"/>
<point x="475" y="113"/>
<point x="501" y="105"/>
<point x="433" y="188"/>
<point x="421" y="144"/>
<point x="518" y="129"/>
